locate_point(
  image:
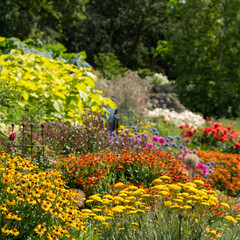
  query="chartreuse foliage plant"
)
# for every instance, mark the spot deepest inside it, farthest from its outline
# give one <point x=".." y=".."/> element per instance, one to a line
<point x="31" y="84"/>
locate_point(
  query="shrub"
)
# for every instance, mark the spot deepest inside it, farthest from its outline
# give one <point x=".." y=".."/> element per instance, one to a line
<point x="35" y="85"/>
<point x="109" y="66"/>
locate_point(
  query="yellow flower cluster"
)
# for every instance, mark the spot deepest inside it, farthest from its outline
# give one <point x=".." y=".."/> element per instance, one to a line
<point x="183" y="196"/>
<point x="129" y="201"/>
<point x="27" y="188"/>
<point x="130" y="131"/>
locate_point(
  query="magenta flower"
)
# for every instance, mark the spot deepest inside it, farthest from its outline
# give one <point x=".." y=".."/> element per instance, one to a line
<point x="155" y="138"/>
<point x="203" y="167"/>
<point x="149" y="145"/>
<point x="12" y="136"/>
<point x="161" y="140"/>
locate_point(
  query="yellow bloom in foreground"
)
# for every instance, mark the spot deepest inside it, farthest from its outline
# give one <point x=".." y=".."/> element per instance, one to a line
<point x="157" y="181"/>
<point x="230" y="219"/>
<point x="121" y="229"/>
<point x="225" y="205"/>
<point x="118" y="185"/>
<point x="174" y="187"/>
<point x="200" y="182"/>
<point x="134" y="223"/>
<point x="10" y="202"/>
<point x="132" y="229"/>
<point x="165" y="178"/>
<point x="99" y="218"/>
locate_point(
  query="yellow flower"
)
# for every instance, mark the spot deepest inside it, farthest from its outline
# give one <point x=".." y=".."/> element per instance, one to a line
<point x="99" y="218"/>
<point x="134" y="223"/>
<point x="200" y="182"/>
<point x="230" y="219"/>
<point x="165" y="178"/>
<point x="10" y="202"/>
<point x="118" y="185"/>
<point x="225" y="205"/>
<point x="174" y="187"/>
<point x="157" y="181"/>
<point x="121" y="229"/>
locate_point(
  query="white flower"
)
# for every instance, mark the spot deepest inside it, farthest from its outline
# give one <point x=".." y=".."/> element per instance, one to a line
<point x="186" y="117"/>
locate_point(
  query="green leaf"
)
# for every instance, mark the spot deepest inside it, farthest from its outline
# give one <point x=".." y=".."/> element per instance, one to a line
<point x="58" y="105"/>
<point x="2" y="134"/>
<point x="83" y="95"/>
<point x="25" y="96"/>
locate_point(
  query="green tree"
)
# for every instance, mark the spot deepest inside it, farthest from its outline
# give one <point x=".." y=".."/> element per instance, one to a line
<point x="130" y="29"/>
<point x="203" y="45"/>
<point x="47" y="20"/>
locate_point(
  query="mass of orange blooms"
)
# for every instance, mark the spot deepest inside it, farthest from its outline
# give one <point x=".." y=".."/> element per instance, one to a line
<point x="226" y="172"/>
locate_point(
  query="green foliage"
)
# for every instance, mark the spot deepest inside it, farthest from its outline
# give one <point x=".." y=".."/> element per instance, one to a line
<point x="204" y="50"/>
<point x="56" y="51"/>
<point x="47" y="20"/>
<point x="109" y="66"/>
<point x="127" y="29"/>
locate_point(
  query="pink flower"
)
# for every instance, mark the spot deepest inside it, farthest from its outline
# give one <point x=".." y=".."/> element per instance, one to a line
<point x="203" y="167"/>
<point x="35" y="137"/>
<point x="12" y="136"/>
<point x="161" y="140"/>
<point x="184" y="154"/>
<point x="149" y="145"/>
<point x="155" y="138"/>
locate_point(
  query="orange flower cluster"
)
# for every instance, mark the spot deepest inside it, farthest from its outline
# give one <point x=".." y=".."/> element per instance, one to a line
<point x="226" y="174"/>
<point x="139" y="168"/>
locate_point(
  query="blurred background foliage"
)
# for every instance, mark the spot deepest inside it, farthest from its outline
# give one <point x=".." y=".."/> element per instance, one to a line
<point x="194" y="43"/>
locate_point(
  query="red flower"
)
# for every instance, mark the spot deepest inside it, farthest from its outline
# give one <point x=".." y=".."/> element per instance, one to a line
<point x="190" y="133"/>
<point x="181" y="126"/>
<point x="229" y="127"/>
<point x="208" y="120"/>
<point x="12" y="136"/>
<point x="237" y="145"/>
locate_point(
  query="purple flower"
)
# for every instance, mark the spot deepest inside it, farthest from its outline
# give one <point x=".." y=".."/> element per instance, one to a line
<point x="134" y="128"/>
<point x="154" y="129"/>
<point x="178" y="137"/>
<point x="131" y="123"/>
<point x="122" y="134"/>
<point x="194" y="151"/>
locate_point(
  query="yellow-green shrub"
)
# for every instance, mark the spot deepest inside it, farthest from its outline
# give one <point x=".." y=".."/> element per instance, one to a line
<point x="58" y="89"/>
